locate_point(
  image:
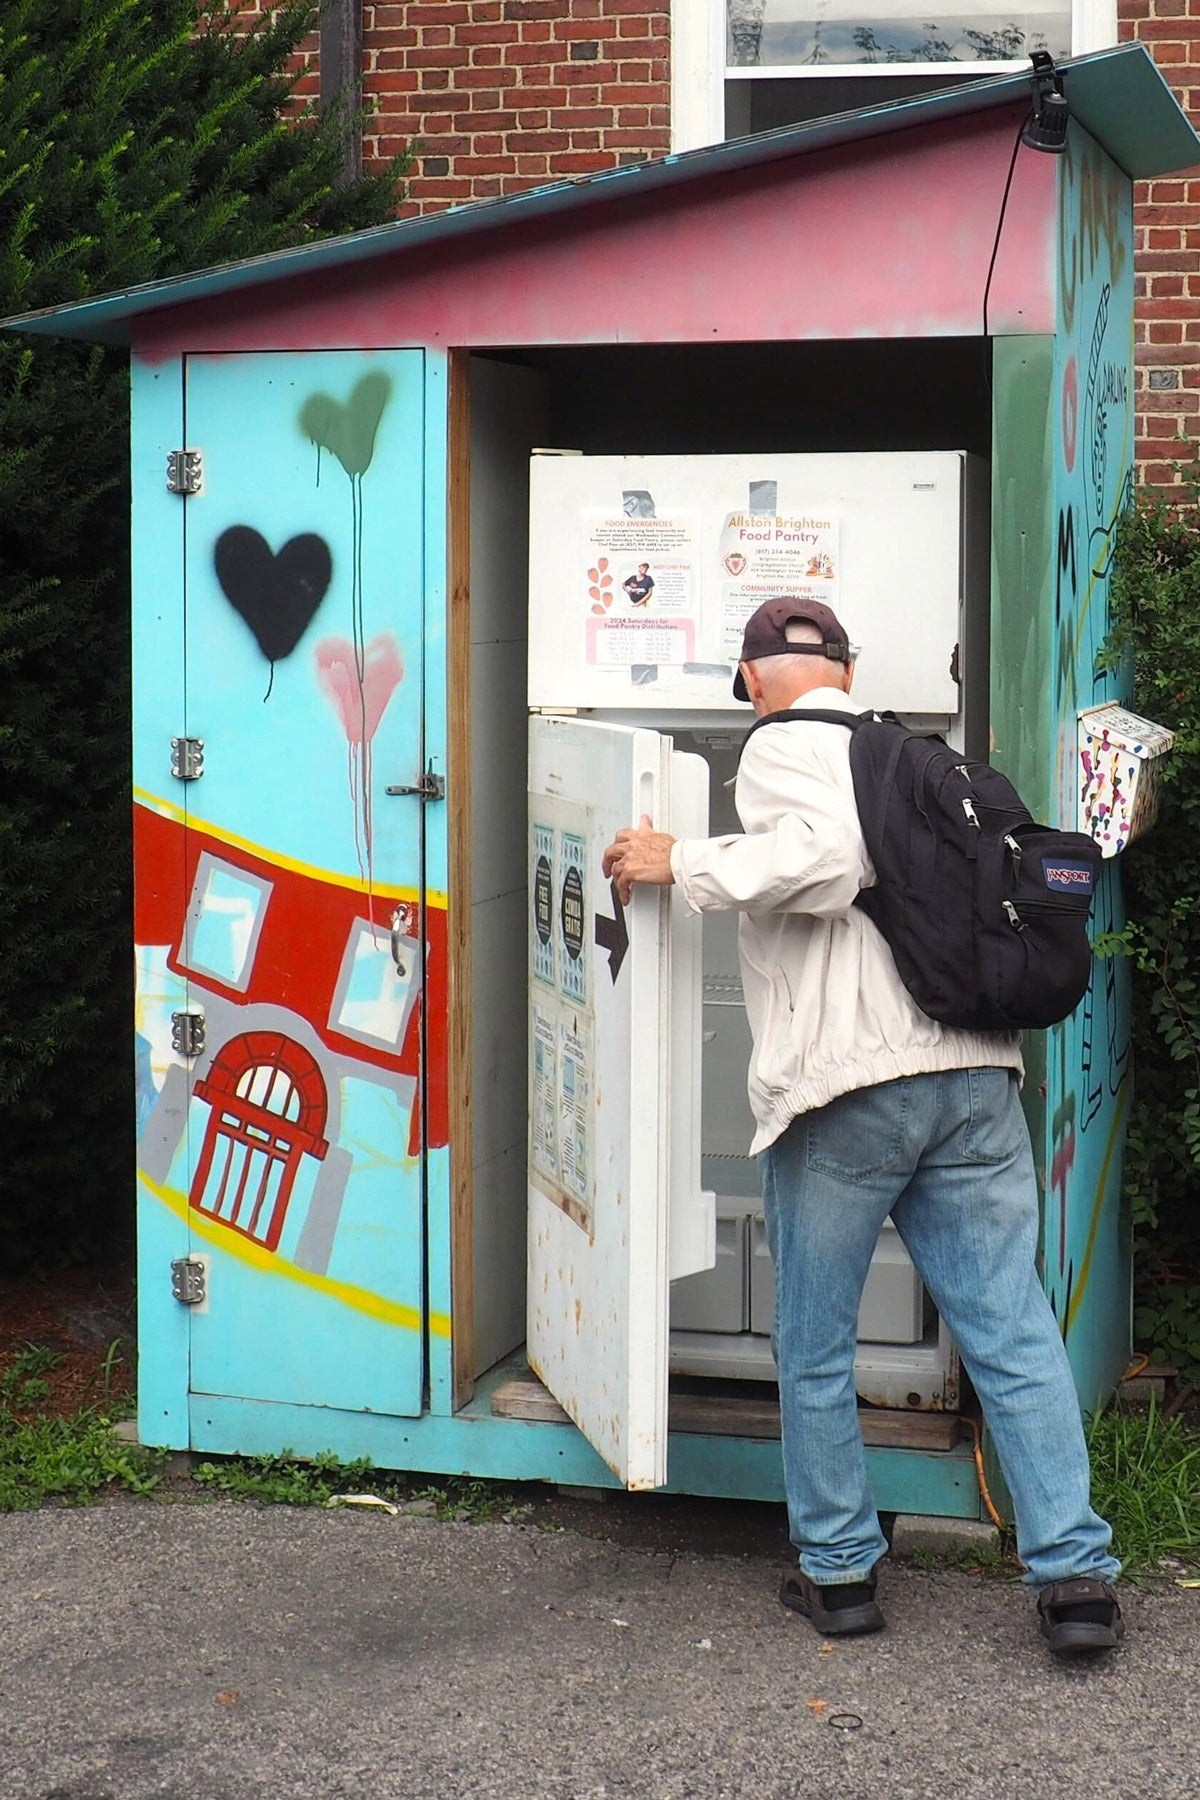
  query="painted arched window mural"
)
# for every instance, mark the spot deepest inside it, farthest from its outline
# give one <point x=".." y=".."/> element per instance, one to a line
<point x="269" y="1107"/>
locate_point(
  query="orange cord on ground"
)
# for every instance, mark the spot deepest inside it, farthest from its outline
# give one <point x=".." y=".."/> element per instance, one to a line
<point x="993" y="1515"/>
<point x="1135" y="1368"/>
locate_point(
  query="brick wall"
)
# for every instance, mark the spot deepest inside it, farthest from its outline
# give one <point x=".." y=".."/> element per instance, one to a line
<point x="1167" y="236"/>
<point x="500" y="95"/>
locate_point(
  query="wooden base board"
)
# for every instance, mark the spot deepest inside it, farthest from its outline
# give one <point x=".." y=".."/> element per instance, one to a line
<point x="734" y="1415"/>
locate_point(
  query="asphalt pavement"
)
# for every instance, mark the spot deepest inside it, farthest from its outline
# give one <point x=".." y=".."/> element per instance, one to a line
<point x="224" y="1651"/>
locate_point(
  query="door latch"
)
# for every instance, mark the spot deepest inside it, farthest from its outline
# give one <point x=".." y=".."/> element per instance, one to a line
<point x="188" y="1284"/>
<point x="430" y="787"/>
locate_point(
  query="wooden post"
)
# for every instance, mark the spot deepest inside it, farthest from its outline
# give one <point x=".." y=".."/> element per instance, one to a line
<point x="461" y="1047"/>
<point x="341" y="76"/>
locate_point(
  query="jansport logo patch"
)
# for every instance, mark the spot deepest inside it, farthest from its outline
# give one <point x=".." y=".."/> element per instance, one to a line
<point x="1067" y="877"/>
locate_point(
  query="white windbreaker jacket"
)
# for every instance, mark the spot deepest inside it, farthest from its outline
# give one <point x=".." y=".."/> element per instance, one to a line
<point x="827" y="1008"/>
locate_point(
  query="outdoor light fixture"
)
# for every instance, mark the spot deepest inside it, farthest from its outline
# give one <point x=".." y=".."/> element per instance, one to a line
<point x="1046" y="128"/>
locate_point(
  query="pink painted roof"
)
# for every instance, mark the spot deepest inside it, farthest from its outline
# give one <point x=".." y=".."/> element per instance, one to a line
<point x="1117" y="95"/>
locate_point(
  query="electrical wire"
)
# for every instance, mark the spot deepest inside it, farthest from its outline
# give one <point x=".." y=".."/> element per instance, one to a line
<point x="984" y="1491"/>
<point x="1132" y="1372"/>
<point x="995" y="242"/>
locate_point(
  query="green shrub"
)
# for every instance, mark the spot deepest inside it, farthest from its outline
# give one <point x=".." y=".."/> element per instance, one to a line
<point x="1156" y="598"/>
<point x="138" y="139"/>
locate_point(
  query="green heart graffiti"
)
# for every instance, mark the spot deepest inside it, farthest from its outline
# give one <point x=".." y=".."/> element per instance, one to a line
<point x="347" y="428"/>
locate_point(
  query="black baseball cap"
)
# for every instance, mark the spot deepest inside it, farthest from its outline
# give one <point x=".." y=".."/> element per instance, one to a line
<point x="766" y="634"/>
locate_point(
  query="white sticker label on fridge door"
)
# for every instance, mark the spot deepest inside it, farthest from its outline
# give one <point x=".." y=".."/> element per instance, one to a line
<point x="575" y="1081"/>
<point x="560" y="1150"/>
<point x="541" y="900"/>
<point x="763" y="554"/>
<point x="543" y="1100"/>
<point x="573" y="946"/>
<point x="562" y="855"/>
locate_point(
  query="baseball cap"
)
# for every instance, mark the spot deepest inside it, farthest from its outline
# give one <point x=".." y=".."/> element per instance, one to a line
<point x="766" y="634"/>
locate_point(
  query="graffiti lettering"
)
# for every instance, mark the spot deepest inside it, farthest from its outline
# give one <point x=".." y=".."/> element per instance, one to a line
<point x="1101" y="238"/>
<point x="1114" y="386"/>
<point x="1066" y="560"/>
<point x="1093" y="406"/>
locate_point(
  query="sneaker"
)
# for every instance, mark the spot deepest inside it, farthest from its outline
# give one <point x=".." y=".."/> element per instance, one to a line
<point x="840" y="1609"/>
<point x="1080" y="1615"/>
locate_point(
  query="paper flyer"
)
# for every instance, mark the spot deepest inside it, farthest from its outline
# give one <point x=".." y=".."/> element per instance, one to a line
<point x="762" y="554"/>
<point x="640" y="571"/>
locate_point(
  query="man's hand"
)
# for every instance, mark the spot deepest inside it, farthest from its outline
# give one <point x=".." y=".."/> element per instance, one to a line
<point x="639" y="855"/>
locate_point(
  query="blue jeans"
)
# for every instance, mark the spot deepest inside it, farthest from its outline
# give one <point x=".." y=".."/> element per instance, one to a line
<point x="948" y="1156"/>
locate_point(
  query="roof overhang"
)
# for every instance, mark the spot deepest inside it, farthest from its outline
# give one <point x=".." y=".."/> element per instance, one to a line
<point x="1117" y="95"/>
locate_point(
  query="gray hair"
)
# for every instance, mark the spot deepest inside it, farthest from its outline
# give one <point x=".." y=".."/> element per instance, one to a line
<point x="803" y="631"/>
<point x="798" y="631"/>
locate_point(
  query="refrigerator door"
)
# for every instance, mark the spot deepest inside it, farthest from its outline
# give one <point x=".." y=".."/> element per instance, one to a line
<point x="643" y="570"/>
<point x="599" y="1084"/>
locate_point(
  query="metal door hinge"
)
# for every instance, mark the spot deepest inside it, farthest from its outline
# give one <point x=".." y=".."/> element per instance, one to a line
<point x="188" y="1283"/>
<point x="430" y="787"/>
<point x="185" y="471"/>
<point x="187" y="1033"/>
<point x="187" y="758"/>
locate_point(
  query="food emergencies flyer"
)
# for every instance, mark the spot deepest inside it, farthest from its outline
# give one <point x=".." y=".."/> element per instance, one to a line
<point x="763" y="554"/>
<point x="641" y="589"/>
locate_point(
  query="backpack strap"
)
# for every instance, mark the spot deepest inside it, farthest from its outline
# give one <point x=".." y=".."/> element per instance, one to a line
<point x="809" y="715"/>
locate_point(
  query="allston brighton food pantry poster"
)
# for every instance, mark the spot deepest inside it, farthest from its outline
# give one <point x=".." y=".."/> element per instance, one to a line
<point x="678" y="589"/>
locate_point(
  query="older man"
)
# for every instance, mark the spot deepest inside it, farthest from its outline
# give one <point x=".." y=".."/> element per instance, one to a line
<point x="865" y="1106"/>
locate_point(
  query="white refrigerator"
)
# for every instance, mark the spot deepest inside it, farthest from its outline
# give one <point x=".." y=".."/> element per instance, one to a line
<point x="646" y="1249"/>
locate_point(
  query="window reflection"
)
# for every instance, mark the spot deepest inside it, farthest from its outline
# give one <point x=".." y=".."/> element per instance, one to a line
<point x="798" y="33"/>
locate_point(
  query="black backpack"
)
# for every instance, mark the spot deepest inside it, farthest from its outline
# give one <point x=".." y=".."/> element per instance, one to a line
<point x="984" y="910"/>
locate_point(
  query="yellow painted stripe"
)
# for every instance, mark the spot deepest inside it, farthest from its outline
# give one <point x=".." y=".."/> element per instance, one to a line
<point x="267" y="1263"/>
<point x="168" y="810"/>
<point x="1110" y="1149"/>
<point x="1085" y="608"/>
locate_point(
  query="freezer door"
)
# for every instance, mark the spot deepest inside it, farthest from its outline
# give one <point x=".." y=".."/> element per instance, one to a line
<point x="644" y="569"/>
<point x="599" y="1081"/>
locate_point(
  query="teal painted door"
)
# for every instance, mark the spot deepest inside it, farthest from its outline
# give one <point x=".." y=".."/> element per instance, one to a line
<point x="306" y="940"/>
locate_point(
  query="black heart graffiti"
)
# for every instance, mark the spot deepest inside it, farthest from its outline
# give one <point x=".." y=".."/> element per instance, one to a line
<point x="276" y="593"/>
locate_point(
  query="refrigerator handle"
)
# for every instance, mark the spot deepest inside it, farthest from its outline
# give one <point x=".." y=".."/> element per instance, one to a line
<point x="692" y="1210"/>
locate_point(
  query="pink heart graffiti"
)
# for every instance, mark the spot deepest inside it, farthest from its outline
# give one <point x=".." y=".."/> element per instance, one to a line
<point x="359" y="709"/>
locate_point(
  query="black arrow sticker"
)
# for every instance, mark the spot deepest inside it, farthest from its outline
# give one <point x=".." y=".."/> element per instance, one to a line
<point x="613" y="935"/>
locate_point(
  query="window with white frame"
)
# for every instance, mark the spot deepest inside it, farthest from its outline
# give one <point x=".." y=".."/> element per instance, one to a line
<point x="740" y="66"/>
<point x="870" y="34"/>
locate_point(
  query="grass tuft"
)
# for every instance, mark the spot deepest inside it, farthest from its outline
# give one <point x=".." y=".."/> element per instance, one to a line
<point x="70" y="1460"/>
<point x="23" y="1384"/>
<point x="1146" y="1483"/>
<point x="285" y="1480"/>
<point x="289" y="1480"/>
